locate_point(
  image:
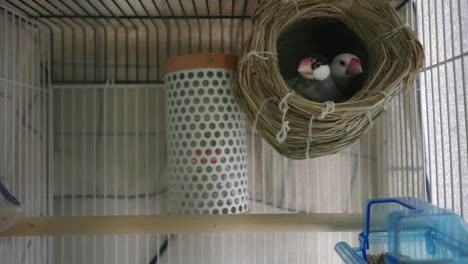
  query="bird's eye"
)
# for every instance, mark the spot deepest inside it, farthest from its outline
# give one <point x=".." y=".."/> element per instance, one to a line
<point x="317" y="64"/>
<point x="342" y="63"/>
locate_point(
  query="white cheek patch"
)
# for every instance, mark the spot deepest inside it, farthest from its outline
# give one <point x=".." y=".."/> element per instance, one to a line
<point x="322" y="72"/>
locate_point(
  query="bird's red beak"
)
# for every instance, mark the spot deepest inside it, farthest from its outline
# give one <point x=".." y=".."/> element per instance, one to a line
<point x="305" y="67"/>
<point x="354" y="67"/>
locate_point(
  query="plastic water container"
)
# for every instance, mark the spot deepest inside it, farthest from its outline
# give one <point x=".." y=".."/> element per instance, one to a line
<point x="408" y="230"/>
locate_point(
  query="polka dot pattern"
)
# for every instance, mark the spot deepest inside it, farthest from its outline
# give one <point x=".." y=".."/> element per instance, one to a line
<point x="206" y="143"/>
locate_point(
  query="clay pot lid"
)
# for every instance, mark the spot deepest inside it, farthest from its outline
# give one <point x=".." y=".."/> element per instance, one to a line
<point x="197" y="61"/>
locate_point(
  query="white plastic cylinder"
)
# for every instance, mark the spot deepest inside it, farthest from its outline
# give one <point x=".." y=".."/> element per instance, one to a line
<point x="206" y="138"/>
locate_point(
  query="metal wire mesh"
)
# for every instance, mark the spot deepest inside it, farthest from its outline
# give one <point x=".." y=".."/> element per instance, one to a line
<point x="109" y="148"/>
<point x="24" y="130"/>
<point x="128" y="41"/>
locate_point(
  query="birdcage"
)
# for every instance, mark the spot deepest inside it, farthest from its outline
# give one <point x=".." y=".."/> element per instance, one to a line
<point x="84" y="139"/>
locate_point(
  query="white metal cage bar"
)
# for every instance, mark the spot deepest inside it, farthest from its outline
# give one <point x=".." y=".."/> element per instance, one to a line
<point x="24" y="131"/>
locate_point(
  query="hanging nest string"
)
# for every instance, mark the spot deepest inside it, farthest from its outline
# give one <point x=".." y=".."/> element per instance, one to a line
<point x="299" y="128"/>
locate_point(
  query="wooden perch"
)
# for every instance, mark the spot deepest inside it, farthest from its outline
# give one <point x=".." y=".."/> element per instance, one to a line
<point x="178" y="224"/>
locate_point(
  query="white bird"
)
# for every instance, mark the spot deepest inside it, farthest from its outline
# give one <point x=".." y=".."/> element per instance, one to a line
<point x="314" y="81"/>
<point x="344" y="68"/>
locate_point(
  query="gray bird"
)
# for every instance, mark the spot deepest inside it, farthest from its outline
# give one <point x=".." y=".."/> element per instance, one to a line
<point x="315" y="81"/>
<point x="344" y="68"/>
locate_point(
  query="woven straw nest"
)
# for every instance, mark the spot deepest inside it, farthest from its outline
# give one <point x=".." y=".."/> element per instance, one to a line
<point x="300" y="128"/>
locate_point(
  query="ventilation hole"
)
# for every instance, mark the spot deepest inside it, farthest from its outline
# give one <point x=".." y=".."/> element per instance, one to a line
<point x="210" y="74"/>
<point x="220" y="203"/>
<point x="212" y="143"/>
<point x="215" y="211"/>
<point x="223" y="177"/>
<point x="220" y="92"/>
<point x="178" y="85"/>
<point x="219" y="186"/>
<point x="225" y="211"/>
<point x="222" y="125"/>
<point x="215" y="82"/>
<point x="190" y="75"/>
<point x="206" y="100"/>
<point x="196" y="100"/>
<point x="209" y="186"/>
<point x="221" y="108"/>
<point x="211" y="91"/>
<point x="223" y="83"/>
<point x="210" y="204"/>
<point x="200" y="74"/>
<point x="203" y="143"/>
<point x="201" y="92"/>
<point x="214" y="195"/>
<point x="226" y="134"/>
<point x="202" y="125"/>
<point x="174" y="77"/>
<point x="214" y="177"/>
<point x="201" y="109"/>
<point x="216" y="100"/>
<point x="181" y="76"/>
<point x="207" y="134"/>
<point x="205" y="195"/>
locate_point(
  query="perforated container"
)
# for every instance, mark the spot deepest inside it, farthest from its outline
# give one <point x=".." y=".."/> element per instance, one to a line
<point x="206" y="136"/>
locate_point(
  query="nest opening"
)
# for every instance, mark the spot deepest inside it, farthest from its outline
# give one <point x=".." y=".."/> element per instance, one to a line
<point x="326" y="36"/>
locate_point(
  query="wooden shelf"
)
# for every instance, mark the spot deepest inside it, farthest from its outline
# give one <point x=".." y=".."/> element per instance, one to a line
<point x="178" y="224"/>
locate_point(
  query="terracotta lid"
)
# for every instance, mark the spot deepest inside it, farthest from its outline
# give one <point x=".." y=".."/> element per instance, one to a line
<point x="197" y="61"/>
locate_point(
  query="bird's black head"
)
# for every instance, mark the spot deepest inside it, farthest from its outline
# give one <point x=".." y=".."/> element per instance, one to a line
<point x="314" y="67"/>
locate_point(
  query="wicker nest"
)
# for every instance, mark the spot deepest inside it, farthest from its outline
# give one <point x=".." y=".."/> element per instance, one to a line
<point x="300" y="128"/>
